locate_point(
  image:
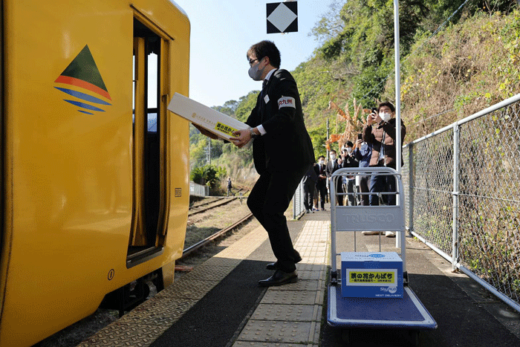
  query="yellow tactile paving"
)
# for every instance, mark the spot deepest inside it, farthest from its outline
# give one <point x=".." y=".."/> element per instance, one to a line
<point x="291" y="314"/>
<point x="149" y="320"/>
<point x="285" y="325"/>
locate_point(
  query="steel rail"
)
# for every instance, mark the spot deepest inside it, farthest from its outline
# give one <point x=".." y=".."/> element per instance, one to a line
<point x="218" y="234"/>
<point x="212" y="207"/>
<point x="208" y="203"/>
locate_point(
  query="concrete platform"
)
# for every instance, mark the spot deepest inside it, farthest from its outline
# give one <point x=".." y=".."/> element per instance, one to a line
<point x="220" y="304"/>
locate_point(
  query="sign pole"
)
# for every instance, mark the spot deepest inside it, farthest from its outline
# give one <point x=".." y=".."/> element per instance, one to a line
<point x="397" y="87"/>
<point x="400" y="239"/>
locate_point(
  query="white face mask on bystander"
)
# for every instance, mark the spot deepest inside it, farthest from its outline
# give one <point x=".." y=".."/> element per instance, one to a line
<point x="385" y="116"/>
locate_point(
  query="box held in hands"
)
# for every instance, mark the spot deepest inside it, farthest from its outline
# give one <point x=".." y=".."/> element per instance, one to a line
<point x="371" y="275"/>
<point x="218" y="123"/>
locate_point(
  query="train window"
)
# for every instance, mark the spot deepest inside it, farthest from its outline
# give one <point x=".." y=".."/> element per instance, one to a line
<point x="147" y="232"/>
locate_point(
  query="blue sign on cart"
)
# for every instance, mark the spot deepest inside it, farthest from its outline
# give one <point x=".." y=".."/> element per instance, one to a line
<point x="371" y="275"/>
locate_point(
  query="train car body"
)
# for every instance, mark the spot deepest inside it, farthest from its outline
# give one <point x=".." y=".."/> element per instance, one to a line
<point x="94" y="169"/>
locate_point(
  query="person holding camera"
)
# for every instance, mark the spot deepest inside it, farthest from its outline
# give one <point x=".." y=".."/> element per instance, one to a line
<point x="380" y="131"/>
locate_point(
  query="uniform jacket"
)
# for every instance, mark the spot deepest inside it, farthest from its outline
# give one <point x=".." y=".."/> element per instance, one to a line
<point x="310" y="175"/>
<point x="322" y="182"/>
<point x="374" y="135"/>
<point x="350" y="161"/>
<point x="286" y="146"/>
<point x="332" y="166"/>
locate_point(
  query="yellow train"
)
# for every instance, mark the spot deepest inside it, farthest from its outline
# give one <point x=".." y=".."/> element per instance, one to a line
<point x="94" y="169"/>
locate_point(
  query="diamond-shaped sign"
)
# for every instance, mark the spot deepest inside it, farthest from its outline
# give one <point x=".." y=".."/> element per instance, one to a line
<point x="282" y="17"/>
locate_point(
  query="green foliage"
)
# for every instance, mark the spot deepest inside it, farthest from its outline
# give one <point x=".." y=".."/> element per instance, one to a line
<point x="246" y="105"/>
<point x="356" y="57"/>
<point x="227" y="157"/>
<point x="209" y="175"/>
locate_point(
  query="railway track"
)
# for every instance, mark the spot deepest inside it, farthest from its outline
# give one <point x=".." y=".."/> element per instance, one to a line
<point x="227" y="201"/>
<point x="216" y="235"/>
<point x="207" y="203"/>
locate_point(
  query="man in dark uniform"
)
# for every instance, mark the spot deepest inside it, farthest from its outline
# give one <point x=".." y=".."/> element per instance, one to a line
<point x="321" y="185"/>
<point x="282" y="153"/>
<point x="309" y="185"/>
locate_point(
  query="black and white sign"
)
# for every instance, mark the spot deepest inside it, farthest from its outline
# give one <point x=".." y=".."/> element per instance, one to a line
<point x="282" y="17"/>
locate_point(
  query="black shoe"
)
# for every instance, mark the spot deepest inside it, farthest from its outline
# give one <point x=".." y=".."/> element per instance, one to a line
<point x="271" y="266"/>
<point x="279" y="278"/>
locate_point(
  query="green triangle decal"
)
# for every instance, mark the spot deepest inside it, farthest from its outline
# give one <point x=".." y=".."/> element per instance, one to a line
<point x="84" y="68"/>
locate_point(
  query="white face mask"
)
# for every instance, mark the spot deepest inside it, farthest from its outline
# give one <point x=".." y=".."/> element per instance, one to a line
<point x="322" y="162"/>
<point x="385" y="116"/>
<point x="332" y="157"/>
<point x="349" y="150"/>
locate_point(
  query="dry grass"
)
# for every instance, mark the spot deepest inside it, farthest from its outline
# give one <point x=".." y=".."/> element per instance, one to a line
<point x="460" y="71"/>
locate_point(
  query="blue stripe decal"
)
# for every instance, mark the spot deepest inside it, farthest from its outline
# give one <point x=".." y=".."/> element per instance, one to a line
<point x="83" y="96"/>
<point x="87" y="106"/>
<point x="86" y="112"/>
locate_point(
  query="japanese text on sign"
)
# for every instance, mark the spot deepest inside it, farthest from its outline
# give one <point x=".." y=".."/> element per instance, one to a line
<point x="379" y="277"/>
<point x="225" y="129"/>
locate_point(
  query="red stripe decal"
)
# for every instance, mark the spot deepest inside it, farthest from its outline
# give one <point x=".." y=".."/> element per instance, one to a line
<point x="80" y="83"/>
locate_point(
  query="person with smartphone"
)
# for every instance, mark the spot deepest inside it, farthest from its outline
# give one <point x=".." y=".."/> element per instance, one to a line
<point x="380" y="131"/>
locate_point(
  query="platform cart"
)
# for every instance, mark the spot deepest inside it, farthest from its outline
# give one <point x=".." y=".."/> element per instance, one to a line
<point x="389" y="313"/>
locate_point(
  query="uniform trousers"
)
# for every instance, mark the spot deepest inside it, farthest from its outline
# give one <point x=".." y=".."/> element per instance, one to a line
<point x="363" y="188"/>
<point x="322" y="190"/>
<point x="268" y="201"/>
<point x="350" y="189"/>
<point x="308" y="193"/>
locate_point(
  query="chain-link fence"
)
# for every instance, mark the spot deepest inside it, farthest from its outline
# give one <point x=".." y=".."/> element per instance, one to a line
<point x="461" y="186"/>
<point x="298" y="205"/>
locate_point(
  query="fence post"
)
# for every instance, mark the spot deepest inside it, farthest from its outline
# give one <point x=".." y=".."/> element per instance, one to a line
<point x="295" y="202"/>
<point x="456" y="157"/>
<point x="410" y="188"/>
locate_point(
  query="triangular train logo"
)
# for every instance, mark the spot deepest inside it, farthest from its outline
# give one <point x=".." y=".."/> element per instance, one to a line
<point x="82" y="79"/>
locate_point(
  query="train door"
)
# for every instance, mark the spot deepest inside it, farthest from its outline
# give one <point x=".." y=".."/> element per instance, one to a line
<point x="149" y="145"/>
<point x="2" y="120"/>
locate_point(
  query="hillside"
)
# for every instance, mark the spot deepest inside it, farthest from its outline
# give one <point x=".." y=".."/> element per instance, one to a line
<point x="450" y="69"/>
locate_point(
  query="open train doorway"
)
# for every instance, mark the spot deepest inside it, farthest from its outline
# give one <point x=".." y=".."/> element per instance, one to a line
<point x="148" y="222"/>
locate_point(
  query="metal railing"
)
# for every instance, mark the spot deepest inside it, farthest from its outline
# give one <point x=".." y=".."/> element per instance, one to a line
<point x="298" y="205"/>
<point x="198" y="189"/>
<point x="461" y="185"/>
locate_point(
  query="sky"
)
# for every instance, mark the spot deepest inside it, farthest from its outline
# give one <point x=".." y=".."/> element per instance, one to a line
<point x="221" y="33"/>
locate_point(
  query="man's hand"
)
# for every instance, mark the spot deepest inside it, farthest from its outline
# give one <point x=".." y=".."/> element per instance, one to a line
<point x="373" y="118"/>
<point x="242" y="138"/>
<point x="359" y="142"/>
<point x="205" y="132"/>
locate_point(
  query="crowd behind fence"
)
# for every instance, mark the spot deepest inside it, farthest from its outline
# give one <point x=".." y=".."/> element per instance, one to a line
<point x="461" y="184"/>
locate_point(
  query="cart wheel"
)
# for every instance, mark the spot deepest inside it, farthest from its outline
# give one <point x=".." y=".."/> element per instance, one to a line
<point x="414" y="337"/>
<point x="345" y="336"/>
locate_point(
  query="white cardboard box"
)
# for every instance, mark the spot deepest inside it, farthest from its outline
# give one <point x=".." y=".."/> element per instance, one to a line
<point x="218" y="123"/>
